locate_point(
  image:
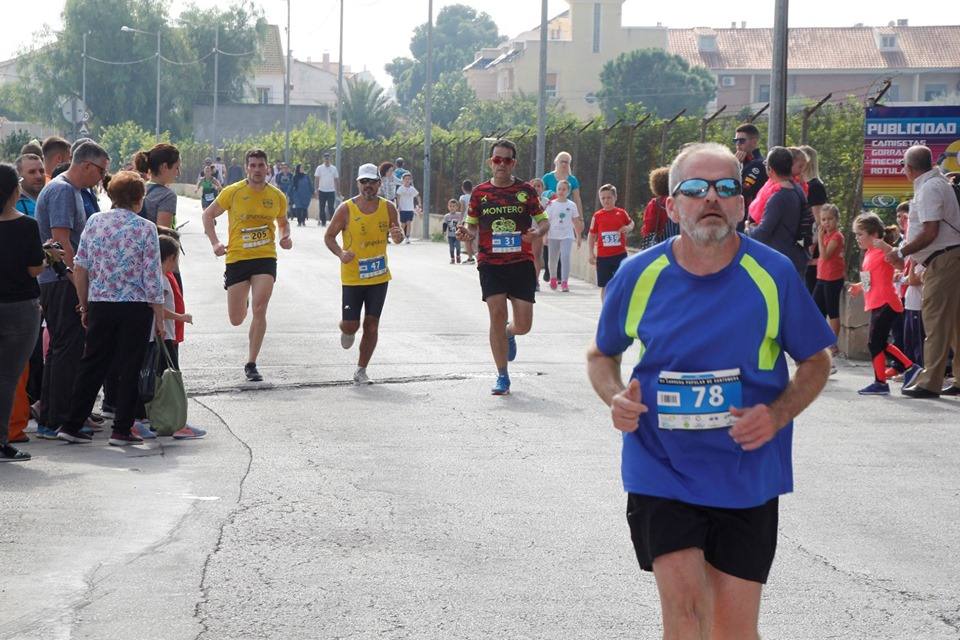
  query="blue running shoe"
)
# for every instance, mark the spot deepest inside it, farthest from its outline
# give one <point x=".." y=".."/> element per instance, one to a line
<point x="875" y="389"/>
<point x="502" y="387"/>
<point x="511" y="348"/>
<point x="910" y="375"/>
<point x="46" y="433"/>
<point x="142" y="430"/>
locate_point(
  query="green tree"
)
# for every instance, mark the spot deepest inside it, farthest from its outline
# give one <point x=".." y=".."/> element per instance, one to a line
<point x="459" y="31"/>
<point x="123" y="140"/>
<point x="118" y="92"/>
<point x="662" y="82"/>
<point x="367" y="110"/>
<point x="450" y="96"/>
<point x="11" y="145"/>
<point x="518" y="112"/>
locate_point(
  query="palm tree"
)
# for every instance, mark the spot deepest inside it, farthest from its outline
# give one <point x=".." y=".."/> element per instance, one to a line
<point x="366" y="110"/>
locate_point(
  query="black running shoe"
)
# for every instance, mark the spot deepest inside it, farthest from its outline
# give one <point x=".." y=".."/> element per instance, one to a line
<point x="250" y="370"/>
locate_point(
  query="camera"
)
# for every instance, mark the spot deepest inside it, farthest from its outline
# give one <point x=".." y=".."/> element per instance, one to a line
<point x="52" y="249"/>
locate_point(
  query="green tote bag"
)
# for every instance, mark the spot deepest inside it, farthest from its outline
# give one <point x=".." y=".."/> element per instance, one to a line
<point x="168" y="409"/>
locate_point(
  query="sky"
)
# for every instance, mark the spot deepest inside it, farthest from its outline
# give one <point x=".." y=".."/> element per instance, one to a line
<point x="376" y="31"/>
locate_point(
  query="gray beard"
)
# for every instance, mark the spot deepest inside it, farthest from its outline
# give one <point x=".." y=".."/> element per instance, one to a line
<point x="705" y="235"/>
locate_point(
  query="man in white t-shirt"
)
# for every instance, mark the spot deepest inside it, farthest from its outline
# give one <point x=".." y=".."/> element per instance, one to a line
<point x="933" y="240"/>
<point x="328" y="186"/>
<point x="407" y="197"/>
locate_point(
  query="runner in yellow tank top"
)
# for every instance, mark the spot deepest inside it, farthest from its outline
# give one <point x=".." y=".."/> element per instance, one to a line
<point x="363" y="222"/>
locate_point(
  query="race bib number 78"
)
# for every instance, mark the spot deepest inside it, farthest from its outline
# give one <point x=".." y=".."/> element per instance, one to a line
<point x="699" y="400"/>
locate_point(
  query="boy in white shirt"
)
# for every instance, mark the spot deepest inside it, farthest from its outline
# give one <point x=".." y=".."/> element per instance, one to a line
<point x="566" y="225"/>
<point x="407" y="198"/>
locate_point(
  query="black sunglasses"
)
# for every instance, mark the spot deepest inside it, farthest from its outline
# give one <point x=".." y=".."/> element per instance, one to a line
<point x="367" y="180"/>
<point x="739" y="141"/>
<point x="698" y="187"/>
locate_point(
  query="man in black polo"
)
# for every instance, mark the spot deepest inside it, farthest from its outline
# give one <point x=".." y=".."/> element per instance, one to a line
<point x="753" y="175"/>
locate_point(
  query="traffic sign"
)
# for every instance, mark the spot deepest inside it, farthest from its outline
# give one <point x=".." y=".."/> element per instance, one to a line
<point x="74" y="110"/>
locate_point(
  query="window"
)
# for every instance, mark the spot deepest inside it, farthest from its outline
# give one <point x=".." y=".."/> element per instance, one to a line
<point x="888" y="42"/>
<point x="263" y="95"/>
<point x="893" y="93"/>
<point x="596" y="27"/>
<point x="763" y="93"/>
<point x="728" y="81"/>
<point x="934" y="91"/>
<point x="551" y="85"/>
<point x="707" y="43"/>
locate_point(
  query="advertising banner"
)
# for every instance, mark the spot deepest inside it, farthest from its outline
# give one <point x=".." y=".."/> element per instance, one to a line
<point x="889" y="132"/>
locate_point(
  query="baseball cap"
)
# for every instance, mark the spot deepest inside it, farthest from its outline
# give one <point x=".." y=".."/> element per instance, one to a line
<point x="368" y="171"/>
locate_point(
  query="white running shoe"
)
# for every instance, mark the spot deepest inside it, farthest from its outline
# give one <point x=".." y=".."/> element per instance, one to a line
<point x="360" y="376"/>
<point x="346" y="340"/>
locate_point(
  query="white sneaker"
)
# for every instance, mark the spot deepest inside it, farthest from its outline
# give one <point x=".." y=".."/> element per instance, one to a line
<point x="346" y="340"/>
<point x="407" y="241"/>
<point x="360" y="376"/>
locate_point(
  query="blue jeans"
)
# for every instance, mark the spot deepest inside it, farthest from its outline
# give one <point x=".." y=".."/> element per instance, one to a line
<point x="326" y="208"/>
<point x="454" y="246"/>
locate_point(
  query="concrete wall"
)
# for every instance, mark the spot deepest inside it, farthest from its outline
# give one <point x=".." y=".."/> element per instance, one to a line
<point x="238" y="121"/>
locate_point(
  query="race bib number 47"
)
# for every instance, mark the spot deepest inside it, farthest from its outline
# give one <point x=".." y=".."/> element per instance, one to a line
<point x="699" y="400"/>
<point x="373" y="267"/>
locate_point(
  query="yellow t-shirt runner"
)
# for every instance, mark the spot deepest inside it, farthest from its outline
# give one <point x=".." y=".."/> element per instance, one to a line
<point x="252" y="219"/>
<point x="366" y="236"/>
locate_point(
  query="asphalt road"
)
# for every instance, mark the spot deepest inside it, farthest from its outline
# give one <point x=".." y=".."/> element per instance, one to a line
<point x="422" y="507"/>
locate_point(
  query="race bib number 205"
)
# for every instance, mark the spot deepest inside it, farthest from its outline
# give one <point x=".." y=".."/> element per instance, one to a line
<point x="698" y="400"/>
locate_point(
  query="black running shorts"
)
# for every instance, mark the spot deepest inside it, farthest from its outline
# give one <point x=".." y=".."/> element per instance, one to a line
<point x="517" y="280"/>
<point x="739" y="542"/>
<point x="243" y="270"/>
<point x="608" y="266"/>
<point x="369" y="297"/>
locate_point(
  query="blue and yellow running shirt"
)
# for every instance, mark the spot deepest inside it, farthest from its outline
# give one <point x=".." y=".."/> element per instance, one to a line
<point x="708" y="342"/>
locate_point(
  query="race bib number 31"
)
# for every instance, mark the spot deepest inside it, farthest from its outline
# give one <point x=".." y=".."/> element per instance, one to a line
<point x="699" y="400"/>
<point x="506" y="242"/>
<point x="610" y="238"/>
<point x="373" y="267"/>
<point x="255" y="237"/>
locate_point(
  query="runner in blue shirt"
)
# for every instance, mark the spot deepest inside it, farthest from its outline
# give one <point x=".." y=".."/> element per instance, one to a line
<point x="707" y="417"/>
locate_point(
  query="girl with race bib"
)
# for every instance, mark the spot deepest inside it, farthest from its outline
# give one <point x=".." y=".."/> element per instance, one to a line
<point x="881" y="300"/>
<point x="607" y="239"/>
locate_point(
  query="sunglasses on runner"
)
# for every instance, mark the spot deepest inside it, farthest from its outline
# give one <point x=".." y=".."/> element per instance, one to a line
<point x="502" y="160"/>
<point x="367" y="180"/>
<point x="739" y="141"/>
<point x="698" y="187"/>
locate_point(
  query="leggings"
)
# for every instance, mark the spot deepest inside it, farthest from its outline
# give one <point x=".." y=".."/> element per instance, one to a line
<point x="559" y="251"/>
<point x="881" y="320"/>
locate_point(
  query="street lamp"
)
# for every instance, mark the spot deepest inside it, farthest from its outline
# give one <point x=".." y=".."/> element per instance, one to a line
<point x="127" y="29"/>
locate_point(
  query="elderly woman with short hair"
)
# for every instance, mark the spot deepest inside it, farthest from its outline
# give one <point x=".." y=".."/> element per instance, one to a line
<point x="120" y="287"/>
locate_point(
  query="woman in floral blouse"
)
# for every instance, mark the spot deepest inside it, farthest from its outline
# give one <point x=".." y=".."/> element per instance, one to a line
<point x="120" y="288"/>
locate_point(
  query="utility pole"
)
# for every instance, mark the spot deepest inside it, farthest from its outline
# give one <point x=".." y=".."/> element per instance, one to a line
<point x="158" y="86"/>
<point x="286" y="96"/>
<point x="542" y="94"/>
<point x="427" y="136"/>
<point x="83" y="89"/>
<point x="777" y="134"/>
<point x="340" y="97"/>
<point x="216" y="86"/>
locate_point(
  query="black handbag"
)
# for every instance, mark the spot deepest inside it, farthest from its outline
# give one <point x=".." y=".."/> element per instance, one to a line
<point x="147" y="380"/>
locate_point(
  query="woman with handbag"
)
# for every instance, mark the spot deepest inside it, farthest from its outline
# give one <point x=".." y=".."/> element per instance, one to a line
<point x="657" y="225"/>
<point x="21" y="261"/>
<point x="120" y="288"/>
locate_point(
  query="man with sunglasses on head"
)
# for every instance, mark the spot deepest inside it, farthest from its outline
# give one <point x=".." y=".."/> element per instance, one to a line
<point x="707" y="414"/>
<point x="364" y="223"/>
<point x="506" y="216"/>
<point x="62" y="212"/>
<point x="746" y="144"/>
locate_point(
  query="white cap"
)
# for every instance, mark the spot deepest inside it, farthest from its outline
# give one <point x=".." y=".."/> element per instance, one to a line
<point x="368" y="171"/>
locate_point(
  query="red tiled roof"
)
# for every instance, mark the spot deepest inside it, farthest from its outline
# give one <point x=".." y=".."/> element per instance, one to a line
<point x="271" y="52"/>
<point x="823" y="48"/>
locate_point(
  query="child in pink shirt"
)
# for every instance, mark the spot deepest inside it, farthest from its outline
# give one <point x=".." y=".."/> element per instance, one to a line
<point x="883" y="303"/>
